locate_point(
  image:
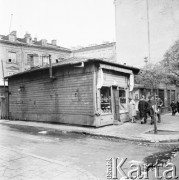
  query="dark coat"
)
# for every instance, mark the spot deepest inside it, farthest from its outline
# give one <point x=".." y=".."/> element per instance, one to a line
<point x="142" y="106"/>
<point x="150" y="109"/>
<point x="178" y="104"/>
<point x="173" y="106"/>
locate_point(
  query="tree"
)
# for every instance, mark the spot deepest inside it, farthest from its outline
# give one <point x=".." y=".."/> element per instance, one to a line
<point x="151" y="76"/>
<point x="171" y="62"/>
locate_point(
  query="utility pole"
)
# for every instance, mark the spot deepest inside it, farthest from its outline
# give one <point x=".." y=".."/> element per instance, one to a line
<point x="155" y="110"/>
<point x="148" y="29"/>
<point x="149" y="58"/>
<point x="146" y="61"/>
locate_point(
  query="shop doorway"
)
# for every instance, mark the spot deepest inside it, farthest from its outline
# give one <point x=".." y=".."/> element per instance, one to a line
<point x="116" y="103"/>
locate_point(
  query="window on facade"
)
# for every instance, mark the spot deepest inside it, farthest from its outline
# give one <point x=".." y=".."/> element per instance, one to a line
<point x="45" y="60"/>
<point x="173" y="95"/>
<point x="11" y="57"/>
<point x="105" y="100"/>
<point x="30" y="60"/>
<point x="122" y="100"/>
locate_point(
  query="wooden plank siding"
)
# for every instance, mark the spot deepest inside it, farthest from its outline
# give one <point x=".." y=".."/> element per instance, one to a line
<point x="67" y="99"/>
<point x="115" y="78"/>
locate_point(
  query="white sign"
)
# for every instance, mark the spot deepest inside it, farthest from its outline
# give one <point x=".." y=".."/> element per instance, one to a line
<point x="131" y="82"/>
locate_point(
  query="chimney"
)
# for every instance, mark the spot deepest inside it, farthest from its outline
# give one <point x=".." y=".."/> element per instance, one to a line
<point x="13" y="33"/>
<point x="26" y="35"/>
<point x="54" y="42"/>
<point x="12" y="36"/>
<point x="44" y="42"/>
<point x="28" y="38"/>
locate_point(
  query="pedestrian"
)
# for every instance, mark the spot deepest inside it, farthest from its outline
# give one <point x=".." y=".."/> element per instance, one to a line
<point x="150" y="109"/>
<point x="174" y="107"/>
<point x="178" y="105"/>
<point x="132" y="110"/>
<point x="142" y="107"/>
<point x="159" y="103"/>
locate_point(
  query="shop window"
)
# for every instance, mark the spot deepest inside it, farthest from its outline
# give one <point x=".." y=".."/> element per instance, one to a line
<point x="122" y="96"/>
<point x="11" y="57"/>
<point x="105" y="100"/>
<point x="122" y="100"/>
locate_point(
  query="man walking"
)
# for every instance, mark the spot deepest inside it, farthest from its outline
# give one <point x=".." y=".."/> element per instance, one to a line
<point x="174" y="107"/>
<point x="150" y="109"/>
<point x="142" y="106"/>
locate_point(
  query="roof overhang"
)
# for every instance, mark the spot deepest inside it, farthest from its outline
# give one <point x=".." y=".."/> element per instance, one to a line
<point x="105" y="66"/>
<point x="78" y="61"/>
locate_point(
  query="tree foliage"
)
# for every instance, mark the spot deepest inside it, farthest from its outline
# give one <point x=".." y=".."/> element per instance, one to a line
<point x="171" y="62"/>
<point x="151" y="76"/>
<point x="166" y="71"/>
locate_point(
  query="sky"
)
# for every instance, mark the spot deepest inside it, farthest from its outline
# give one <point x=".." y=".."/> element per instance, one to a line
<point x="75" y="23"/>
<point x="72" y="22"/>
<point x="132" y="29"/>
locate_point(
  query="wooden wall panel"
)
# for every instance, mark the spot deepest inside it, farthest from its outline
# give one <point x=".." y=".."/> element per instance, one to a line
<point x="70" y="94"/>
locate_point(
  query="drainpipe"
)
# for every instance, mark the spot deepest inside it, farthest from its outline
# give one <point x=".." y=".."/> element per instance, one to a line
<point x="50" y="68"/>
<point x="3" y="105"/>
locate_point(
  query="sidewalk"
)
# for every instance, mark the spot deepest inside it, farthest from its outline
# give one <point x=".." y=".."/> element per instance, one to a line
<point x="17" y="165"/>
<point x="127" y="131"/>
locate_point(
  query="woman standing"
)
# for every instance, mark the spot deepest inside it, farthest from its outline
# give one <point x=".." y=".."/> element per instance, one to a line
<point x="132" y="110"/>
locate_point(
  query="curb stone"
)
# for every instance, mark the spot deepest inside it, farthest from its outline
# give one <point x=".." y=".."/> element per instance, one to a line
<point x="131" y="138"/>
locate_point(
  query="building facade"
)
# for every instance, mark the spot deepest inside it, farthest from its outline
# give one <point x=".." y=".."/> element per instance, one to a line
<point x="80" y="91"/>
<point x="166" y="93"/>
<point x="105" y="51"/>
<point x="20" y="54"/>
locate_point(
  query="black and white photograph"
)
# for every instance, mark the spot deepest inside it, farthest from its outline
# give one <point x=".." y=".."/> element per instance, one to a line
<point x="89" y="89"/>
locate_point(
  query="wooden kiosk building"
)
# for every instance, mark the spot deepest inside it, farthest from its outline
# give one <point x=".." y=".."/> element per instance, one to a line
<point x="88" y="92"/>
